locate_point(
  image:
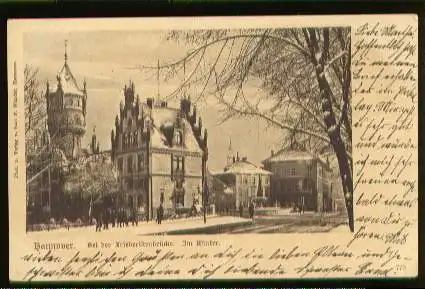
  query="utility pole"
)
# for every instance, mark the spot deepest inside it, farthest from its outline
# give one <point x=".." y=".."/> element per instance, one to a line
<point x="50" y="186"/>
<point x="204" y="190"/>
<point x="205" y="206"/>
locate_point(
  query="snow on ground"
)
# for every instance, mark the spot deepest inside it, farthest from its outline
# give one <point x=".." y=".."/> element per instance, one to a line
<point x="143" y="228"/>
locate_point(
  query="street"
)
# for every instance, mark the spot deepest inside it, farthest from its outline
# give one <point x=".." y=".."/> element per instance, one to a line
<point x="295" y="223"/>
<point x="144" y="228"/>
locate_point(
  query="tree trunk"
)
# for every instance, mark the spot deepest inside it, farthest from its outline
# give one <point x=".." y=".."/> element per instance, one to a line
<point x="338" y="145"/>
<point x="333" y="127"/>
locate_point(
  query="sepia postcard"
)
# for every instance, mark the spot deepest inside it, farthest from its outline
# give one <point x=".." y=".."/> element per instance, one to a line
<point x="273" y="147"/>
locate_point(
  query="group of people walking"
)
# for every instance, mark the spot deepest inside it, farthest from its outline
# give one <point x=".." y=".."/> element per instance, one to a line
<point x="251" y="209"/>
<point x="102" y="217"/>
<point x="121" y="217"/>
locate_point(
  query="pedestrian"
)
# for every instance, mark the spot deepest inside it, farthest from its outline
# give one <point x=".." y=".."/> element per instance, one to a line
<point x="240" y="210"/>
<point x="106" y="218"/>
<point x="99" y="221"/>
<point x="113" y="217"/>
<point x="134" y="217"/>
<point x="251" y="210"/>
<point x="160" y="214"/>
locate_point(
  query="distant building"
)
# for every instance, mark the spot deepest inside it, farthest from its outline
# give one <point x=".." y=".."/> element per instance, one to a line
<point x="160" y="152"/>
<point x="300" y="178"/>
<point x="249" y="182"/>
<point x="221" y="195"/>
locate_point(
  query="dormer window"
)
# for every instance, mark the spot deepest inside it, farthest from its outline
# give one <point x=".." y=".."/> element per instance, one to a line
<point x="178" y="138"/>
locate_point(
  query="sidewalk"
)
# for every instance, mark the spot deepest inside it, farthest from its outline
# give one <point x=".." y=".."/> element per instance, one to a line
<point x="145" y="228"/>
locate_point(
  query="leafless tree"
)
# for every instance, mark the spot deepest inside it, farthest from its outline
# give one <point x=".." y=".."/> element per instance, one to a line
<point x="304" y="82"/>
<point x="35" y="108"/>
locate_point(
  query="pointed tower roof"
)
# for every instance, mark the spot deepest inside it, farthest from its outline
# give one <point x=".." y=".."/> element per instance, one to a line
<point x="66" y="78"/>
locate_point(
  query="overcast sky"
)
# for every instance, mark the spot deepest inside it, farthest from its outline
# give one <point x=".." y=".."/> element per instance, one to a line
<point x="107" y="59"/>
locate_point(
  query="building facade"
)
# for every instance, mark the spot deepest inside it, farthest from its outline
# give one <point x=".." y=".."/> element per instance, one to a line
<point x="249" y="182"/>
<point x="160" y="153"/>
<point x="300" y="178"/>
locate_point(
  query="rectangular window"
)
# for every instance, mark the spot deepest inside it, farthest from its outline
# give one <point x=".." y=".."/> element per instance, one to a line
<point x="293" y="172"/>
<point x="139" y="200"/>
<point x="177" y="165"/>
<point x="120" y="162"/>
<point x="140" y="162"/>
<point x="130" y="164"/>
<point x="129" y="183"/>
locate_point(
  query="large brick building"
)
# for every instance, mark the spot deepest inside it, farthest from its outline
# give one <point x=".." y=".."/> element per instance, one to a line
<point x="160" y="152"/>
<point x="300" y="178"/>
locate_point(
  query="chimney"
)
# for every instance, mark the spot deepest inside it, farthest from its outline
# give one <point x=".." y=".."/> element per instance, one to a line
<point x="149" y="102"/>
<point x="234" y="159"/>
<point x="185" y="106"/>
<point x="244" y="159"/>
<point x="272" y="153"/>
<point x="237" y="156"/>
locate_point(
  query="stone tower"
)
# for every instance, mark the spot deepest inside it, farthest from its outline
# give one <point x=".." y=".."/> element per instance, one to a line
<point x="66" y="111"/>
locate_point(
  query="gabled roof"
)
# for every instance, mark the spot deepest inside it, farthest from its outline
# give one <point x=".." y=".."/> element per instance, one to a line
<point x="244" y="167"/>
<point x="167" y="117"/>
<point x="289" y="154"/>
<point x="68" y="81"/>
